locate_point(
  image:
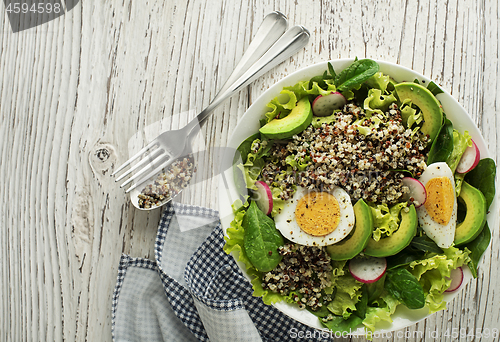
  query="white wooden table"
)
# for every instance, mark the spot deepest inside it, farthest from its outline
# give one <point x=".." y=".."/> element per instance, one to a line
<point x="74" y="90"/>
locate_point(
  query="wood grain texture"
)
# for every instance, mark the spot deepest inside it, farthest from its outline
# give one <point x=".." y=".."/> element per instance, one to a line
<point x="74" y="90"/>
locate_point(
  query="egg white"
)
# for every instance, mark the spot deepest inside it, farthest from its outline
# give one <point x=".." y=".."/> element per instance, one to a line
<point x="443" y="235"/>
<point x="289" y="228"/>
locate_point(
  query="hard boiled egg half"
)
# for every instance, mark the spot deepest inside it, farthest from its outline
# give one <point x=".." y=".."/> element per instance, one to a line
<point x="316" y="218"/>
<point x="438" y="215"/>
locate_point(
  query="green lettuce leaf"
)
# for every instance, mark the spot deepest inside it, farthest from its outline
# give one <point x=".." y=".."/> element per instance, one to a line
<point x="298" y="164"/>
<point x="410" y="115"/>
<point x="281" y="105"/>
<point x="386" y="306"/>
<point x="305" y="88"/>
<point x="367" y="130"/>
<point x="379" y="81"/>
<point x="235" y="234"/>
<point x="433" y="273"/>
<point x="347" y="295"/>
<point x="460" y="144"/>
<point x="254" y="162"/>
<point x="376" y="103"/>
<point x="459" y="179"/>
<point x="385" y="219"/>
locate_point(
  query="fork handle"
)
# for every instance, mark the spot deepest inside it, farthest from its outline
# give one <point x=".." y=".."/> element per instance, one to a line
<point x="272" y="27"/>
<point x="289" y="43"/>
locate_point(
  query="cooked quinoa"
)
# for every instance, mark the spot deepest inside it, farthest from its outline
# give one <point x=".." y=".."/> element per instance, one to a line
<point x="168" y="184"/>
<point x="304" y="270"/>
<point x="338" y="154"/>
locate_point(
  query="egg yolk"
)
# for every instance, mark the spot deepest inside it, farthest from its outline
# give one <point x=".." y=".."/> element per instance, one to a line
<point x="440" y="199"/>
<point x="318" y="213"/>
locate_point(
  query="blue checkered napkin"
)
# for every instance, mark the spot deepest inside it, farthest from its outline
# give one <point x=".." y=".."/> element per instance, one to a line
<point x="221" y="294"/>
<point x="140" y="309"/>
<point x="194" y="290"/>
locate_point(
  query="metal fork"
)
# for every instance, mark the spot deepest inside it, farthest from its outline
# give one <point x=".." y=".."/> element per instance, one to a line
<point x="163" y="151"/>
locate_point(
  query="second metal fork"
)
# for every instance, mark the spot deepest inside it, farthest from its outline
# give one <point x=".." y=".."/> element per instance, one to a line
<point x="259" y="58"/>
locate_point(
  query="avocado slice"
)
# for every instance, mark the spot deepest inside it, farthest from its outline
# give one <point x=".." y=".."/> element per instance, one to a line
<point x="475" y="217"/>
<point x="428" y="104"/>
<point x="399" y="239"/>
<point x="295" y="122"/>
<point x="353" y="244"/>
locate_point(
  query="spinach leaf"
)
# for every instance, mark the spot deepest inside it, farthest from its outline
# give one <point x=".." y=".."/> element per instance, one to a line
<point x="403" y="286"/>
<point x="442" y="146"/>
<point x="320" y="312"/>
<point x="403" y="258"/>
<point x="261" y="240"/>
<point x="482" y="177"/>
<point x="357" y="73"/>
<point x="320" y="80"/>
<point x="362" y="304"/>
<point x="331" y="70"/>
<point x="425" y="244"/>
<point x="477" y="248"/>
<point x="374" y="290"/>
<point x="434" y="88"/>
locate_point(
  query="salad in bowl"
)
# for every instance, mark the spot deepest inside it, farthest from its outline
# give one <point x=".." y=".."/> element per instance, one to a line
<point x="360" y="196"/>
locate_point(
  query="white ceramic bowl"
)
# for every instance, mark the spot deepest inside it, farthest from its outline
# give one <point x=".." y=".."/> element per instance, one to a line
<point x="249" y="124"/>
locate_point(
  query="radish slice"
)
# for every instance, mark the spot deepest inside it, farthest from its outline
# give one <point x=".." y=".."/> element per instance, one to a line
<point x="417" y="194"/>
<point x="469" y="159"/>
<point x="457" y="277"/>
<point x="263" y="197"/>
<point x="324" y="105"/>
<point x="367" y="269"/>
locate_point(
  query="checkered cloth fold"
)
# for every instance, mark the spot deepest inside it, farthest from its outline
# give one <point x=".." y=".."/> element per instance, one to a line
<point x="193" y="291"/>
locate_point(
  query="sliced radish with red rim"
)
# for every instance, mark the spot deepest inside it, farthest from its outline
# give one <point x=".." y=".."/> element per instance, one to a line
<point x="324" y="105"/>
<point x="417" y="194"/>
<point x="263" y="197"/>
<point x="469" y="159"/>
<point x="457" y="277"/>
<point x="367" y="269"/>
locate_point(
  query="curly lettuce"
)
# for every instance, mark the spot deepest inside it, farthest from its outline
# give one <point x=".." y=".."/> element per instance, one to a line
<point x="433" y="273"/>
<point x="347" y="293"/>
<point x="460" y="144"/>
<point x="282" y="104"/>
<point x="385" y="220"/>
<point x="386" y="306"/>
<point x="367" y="129"/>
<point x="410" y="115"/>
<point x="379" y="81"/>
<point x="377" y="103"/>
<point x="254" y="161"/>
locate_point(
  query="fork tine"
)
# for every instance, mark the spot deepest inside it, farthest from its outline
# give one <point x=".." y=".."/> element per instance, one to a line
<point x="140" y="164"/>
<point x="160" y="158"/>
<point x="151" y="174"/>
<point x="137" y="155"/>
